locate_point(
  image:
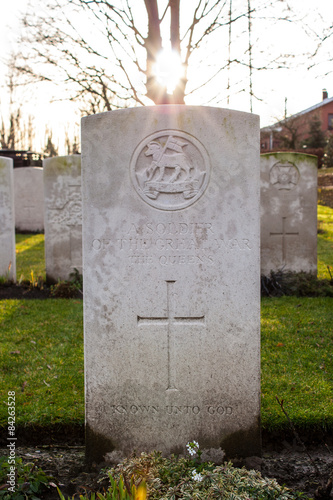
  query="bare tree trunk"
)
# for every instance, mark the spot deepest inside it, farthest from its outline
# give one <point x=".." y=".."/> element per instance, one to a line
<point x="153" y="45"/>
<point x="155" y="91"/>
<point x="179" y="92"/>
<point x="121" y="68"/>
<point x="174" y="25"/>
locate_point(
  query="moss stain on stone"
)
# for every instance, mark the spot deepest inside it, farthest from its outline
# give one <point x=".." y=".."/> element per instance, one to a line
<point x="62" y="165"/>
<point x="3" y="164"/>
<point x="289" y="156"/>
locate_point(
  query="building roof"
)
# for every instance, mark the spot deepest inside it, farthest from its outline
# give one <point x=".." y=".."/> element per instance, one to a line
<point x="308" y="110"/>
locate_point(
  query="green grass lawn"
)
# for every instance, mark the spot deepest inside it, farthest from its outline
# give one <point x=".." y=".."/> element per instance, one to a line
<point x="42" y="360"/>
<point x="325" y="241"/>
<point x="297" y="361"/>
<point x="30" y="257"/>
<point x="42" y="350"/>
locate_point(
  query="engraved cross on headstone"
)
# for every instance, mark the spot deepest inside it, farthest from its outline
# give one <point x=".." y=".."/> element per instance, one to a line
<point x="171" y="321"/>
<point x="284" y="242"/>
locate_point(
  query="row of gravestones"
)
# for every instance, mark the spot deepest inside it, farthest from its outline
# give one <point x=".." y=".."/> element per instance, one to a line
<point x="171" y="265"/>
<point x="46" y="199"/>
<point x="288" y="214"/>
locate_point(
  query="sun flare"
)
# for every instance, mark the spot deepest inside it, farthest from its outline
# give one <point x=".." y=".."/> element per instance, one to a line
<point x="168" y="69"/>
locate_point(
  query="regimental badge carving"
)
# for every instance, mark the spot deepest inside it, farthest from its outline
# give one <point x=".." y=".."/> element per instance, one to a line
<point x="284" y="175"/>
<point x="170" y="170"/>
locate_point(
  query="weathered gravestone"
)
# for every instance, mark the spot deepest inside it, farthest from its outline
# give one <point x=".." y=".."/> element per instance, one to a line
<point x="63" y="216"/>
<point x="171" y="280"/>
<point x="29" y="199"/>
<point x="7" y="220"/>
<point x="288" y="212"/>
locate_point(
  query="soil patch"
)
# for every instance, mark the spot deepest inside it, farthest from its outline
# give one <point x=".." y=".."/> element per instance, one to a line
<point x="12" y="291"/>
<point x="290" y="466"/>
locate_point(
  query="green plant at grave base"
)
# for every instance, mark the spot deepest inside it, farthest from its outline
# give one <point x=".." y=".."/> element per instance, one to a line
<point x="68" y="289"/>
<point x="29" y="481"/>
<point x="4" y="280"/>
<point x="63" y="290"/>
<point x="119" y="489"/>
<point x="77" y="279"/>
<point x="152" y="477"/>
<point x="36" y="283"/>
<point x="176" y="477"/>
<point x="280" y="283"/>
<point x="124" y="490"/>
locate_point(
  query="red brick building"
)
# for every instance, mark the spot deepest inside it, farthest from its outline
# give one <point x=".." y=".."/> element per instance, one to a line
<point x="295" y="129"/>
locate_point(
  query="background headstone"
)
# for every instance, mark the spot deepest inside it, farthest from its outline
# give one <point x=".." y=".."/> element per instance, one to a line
<point x="63" y="216"/>
<point x="288" y="212"/>
<point x="7" y="220"/>
<point x="29" y="199"/>
<point x="171" y="280"/>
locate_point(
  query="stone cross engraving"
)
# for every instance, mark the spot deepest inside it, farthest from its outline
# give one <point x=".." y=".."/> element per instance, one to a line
<point x="166" y="318"/>
<point x="284" y="242"/>
<point x="171" y="320"/>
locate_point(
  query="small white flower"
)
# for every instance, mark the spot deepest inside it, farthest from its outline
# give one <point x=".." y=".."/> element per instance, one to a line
<point x="197" y="476"/>
<point x="192" y="447"/>
<point x="191" y="451"/>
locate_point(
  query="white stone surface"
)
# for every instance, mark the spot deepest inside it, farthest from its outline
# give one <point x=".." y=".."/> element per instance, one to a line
<point x="288" y="212"/>
<point x="7" y="220"/>
<point x="63" y="216"/>
<point x="171" y="280"/>
<point x="29" y="199"/>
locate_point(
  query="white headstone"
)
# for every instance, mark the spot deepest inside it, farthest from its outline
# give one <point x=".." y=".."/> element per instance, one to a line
<point x="29" y="199"/>
<point x="288" y="212"/>
<point x="171" y="280"/>
<point x="7" y="220"/>
<point x="63" y="216"/>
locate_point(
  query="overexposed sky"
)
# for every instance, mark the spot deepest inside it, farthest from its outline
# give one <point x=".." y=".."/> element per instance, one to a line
<point x="299" y="86"/>
<point x="59" y="116"/>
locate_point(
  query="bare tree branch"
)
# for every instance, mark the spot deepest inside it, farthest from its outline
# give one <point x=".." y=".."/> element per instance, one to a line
<point x="102" y="53"/>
